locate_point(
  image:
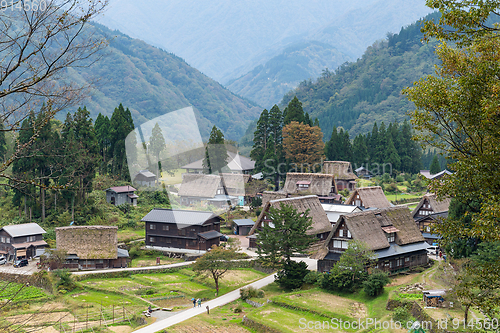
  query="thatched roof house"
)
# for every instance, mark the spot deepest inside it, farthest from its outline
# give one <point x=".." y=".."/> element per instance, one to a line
<point x="368" y="197"/>
<point x="320" y="224"/>
<point x="430" y="204"/>
<point x="319" y="184"/>
<point x="271" y="195"/>
<point x="235" y="183"/>
<point x="342" y="172"/>
<point x="390" y="232"/>
<point x="236" y="163"/>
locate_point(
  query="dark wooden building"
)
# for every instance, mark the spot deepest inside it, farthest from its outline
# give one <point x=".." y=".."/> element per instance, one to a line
<point x="429" y="211"/>
<point x="20" y="241"/>
<point x="182" y="229"/>
<point x="242" y="226"/>
<point x="391" y="233"/>
<point x="120" y="195"/>
<point x="145" y="178"/>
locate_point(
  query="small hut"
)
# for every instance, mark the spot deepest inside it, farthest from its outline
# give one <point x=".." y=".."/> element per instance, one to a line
<point x="369" y="197"/>
<point x="242" y="226"/>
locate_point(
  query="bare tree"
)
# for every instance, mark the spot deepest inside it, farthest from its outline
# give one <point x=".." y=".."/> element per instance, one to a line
<point x="40" y="40"/>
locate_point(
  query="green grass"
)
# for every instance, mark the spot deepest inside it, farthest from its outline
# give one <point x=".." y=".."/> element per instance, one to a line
<point x="104" y="298"/>
<point x="167" y="179"/>
<point x="17" y="291"/>
<point x="401" y="196"/>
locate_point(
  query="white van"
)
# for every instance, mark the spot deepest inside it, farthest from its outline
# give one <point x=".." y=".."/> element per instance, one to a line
<point x="432" y="249"/>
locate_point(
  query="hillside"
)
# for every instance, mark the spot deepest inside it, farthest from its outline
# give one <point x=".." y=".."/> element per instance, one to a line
<point x="343" y="39"/>
<point x="369" y="90"/>
<point x="152" y="82"/>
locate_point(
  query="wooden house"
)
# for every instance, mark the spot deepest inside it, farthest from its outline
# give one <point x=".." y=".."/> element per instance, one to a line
<point x="321" y="227"/>
<point x="342" y="171"/>
<point x="368" y="197"/>
<point x="145" y="178"/>
<point x="90" y="247"/>
<point x="213" y="189"/>
<point x="363" y="172"/>
<point x="271" y="195"/>
<point x="390" y="232"/>
<point x="242" y="226"/>
<point x="427" y="174"/>
<point x="319" y="184"/>
<point x="20" y="241"/>
<point x="182" y="229"/>
<point x="428" y="212"/>
<point x="120" y="195"/>
<point x="236" y="164"/>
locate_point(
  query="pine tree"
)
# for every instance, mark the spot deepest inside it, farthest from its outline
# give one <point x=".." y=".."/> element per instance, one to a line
<point x="435" y="168"/>
<point x="276" y="129"/>
<point x="156" y="146"/>
<point x="360" y="151"/>
<point x="216" y="156"/>
<point x="332" y="146"/>
<point x="260" y="137"/>
<point x="293" y="112"/>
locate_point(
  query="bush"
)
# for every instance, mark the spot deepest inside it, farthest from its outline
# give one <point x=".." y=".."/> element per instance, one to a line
<point x="341" y="279"/>
<point x="391" y="188"/>
<point x="238" y="309"/>
<point x="251" y="292"/>
<point x="401" y="314"/>
<point x="256" y="202"/>
<point x="292" y="275"/>
<point x="313" y="277"/>
<point x="375" y="283"/>
<point x="400" y="179"/>
<point x="65" y="281"/>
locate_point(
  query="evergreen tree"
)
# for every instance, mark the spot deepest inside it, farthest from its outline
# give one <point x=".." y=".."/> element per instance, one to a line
<point x="260" y="137"/>
<point x="102" y="130"/>
<point x="293" y="112"/>
<point x="121" y="125"/>
<point x="435" y="168"/>
<point x="373" y="144"/>
<point x="156" y="146"/>
<point x="216" y="156"/>
<point x="332" y="146"/>
<point x="276" y="129"/>
<point x="345" y="146"/>
<point x="360" y="151"/>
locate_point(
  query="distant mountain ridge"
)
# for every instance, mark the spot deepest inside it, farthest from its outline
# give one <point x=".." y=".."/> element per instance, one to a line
<point x="152" y="82"/>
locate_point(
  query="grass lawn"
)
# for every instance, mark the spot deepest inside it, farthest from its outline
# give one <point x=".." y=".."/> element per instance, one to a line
<point x="167" y="179"/>
<point x="145" y="260"/>
<point x="126" y="235"/>
<point x="401" y="196"/>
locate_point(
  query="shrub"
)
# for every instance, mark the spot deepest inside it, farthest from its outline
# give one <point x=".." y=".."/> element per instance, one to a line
<point x="125" y="208"/>
<point x="292" y="275"/>
<point x="65" y="281"/>
<point x="313" y="277"/>
<point x="238" y="309"/>
<point x="256" y="202"/>
<point x="400" y="179"/>
<point x="251" y="292"/>
<point x="401" y="314"/>
<point x="375" y="283"/>
<point x="392" y="187"/>
<point x="341" y="279"/>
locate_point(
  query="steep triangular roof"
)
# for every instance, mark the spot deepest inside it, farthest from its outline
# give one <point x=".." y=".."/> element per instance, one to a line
<point x="319" y="183"/>
<point x="437" y="205"/>
<point x="371" y="197"/>
<point x="236" y="162"/>
<point x="367" y="227"/>
<point x="320" y="222"/>
<point x="199" y="185"/>
<point x="340" y="169"/>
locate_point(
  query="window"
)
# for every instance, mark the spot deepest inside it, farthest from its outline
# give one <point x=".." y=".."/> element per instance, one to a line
<point x="7" y="240"/>
<point x="151" y="239"/>
<point x="2" y="239"/>
<point x="348" y="234"/>
<point x="340" y="244"/>
<point x="193" y="229"/>
<point x="168" y="241"/>
<point x="32" y="238"/>
<point x="407" y="259"/>
<point x="390" y="237"/>
<point x="152" y="227"/>
<point x="182" y="232"/>
<point x="165" y="227"/>
<point x="391" y="264"/>
<point x="341" y="233"/>
<point x="428" y="228"/>
<point x="99" y="261"/>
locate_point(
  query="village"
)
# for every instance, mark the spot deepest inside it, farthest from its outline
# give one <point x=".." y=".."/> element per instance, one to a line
<point x="119" y="273"/>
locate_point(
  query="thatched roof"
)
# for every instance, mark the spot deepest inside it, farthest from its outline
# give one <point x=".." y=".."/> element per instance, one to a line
<point x="235" y="183"/>
<point x="236" y="162"/>
<point x="318" y="183"/>
<point x="340" y="169"/>
<point x="199" y="185"/>
<point x="270" y="195"/>
<point x="88" y="242"/>
<point x="320" y="222"/>
<point x="438" y="205"/>
<point x="368" y="227"/>
<point x="371" y="197"/>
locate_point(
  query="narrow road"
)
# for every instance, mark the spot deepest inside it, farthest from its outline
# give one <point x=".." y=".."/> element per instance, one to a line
<point x="131" y="269"/>
<point x="219" y="301"/>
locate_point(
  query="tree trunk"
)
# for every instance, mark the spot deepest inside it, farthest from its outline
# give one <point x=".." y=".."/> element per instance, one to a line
<point x="43" y="205"/>
<point x="466" y="314"/>
<point x="73" y="207"/>
<point x="55" y="201"/>
<point x="25" y="208"/>
<point x="216" y="280"/>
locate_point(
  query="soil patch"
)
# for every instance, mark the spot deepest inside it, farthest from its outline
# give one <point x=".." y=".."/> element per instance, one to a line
<point x="121" y="329"/>
<point x="37" y="319"/>
<point x="206" y="328"/>
<point x="400" y="280"/>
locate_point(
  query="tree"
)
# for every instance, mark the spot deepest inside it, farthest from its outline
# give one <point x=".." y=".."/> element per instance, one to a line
<point x="356" y="258"/>
<point x="216" y="156"/>
<point x="260" y="137"/>
<point x="292" y="275"/>
<point x="157" y="145"/>
<point x="293" y="112"/>
<point x="303" y="145"/>
<point x="38" y="46"/>
<point x="435" y="168"/>
<point x="215" y="263"/>
<point x="375" y="283"/>
<point x="288" y="236"/>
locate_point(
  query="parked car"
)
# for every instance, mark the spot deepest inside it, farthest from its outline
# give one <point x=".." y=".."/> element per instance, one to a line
<point x="21" y="263"/>
<point x="433" y="249"/>
<point x="3" y="260"/>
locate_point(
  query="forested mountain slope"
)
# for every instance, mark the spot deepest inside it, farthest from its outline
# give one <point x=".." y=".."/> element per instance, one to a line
<point x="152" y="82"/>
<point x="369" y="90"/>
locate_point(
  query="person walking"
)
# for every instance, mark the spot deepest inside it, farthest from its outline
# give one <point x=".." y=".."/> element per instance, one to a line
<point x="199" y="302"/>
<point x="194" y="302"/>
<point x="440" y="254"/>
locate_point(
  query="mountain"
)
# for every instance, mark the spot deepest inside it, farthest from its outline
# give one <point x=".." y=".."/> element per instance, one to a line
<point x="360" y="93"/>
<point x="342" y="40"/>
<point x="226" y="39"/>
<point x="152" y="82"/>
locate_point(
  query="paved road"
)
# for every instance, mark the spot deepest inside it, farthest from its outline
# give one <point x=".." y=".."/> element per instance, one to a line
<point x="219" y="301"/>
<point x="147" y="268"/>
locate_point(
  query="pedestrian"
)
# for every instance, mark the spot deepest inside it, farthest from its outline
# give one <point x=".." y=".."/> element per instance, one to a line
<point x="194" y="302"/>
<point x="208" y="310"/>
<point x="444" y="257"/>
<point x="199" y="302"/>
<point x="440" y="254"/>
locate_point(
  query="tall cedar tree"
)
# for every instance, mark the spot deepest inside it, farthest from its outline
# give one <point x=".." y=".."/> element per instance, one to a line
<point x="216" y="156"/>
<point x="435" y="168"/>
<point x="156" y="146"/>
<point x="276" y="245"/>
<point x="102" y="130"/>
<point x="293" y="112"/>
<point x="303" y="145"/>
<point x="121" y="126"/>
<point x="260" y="137"/>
